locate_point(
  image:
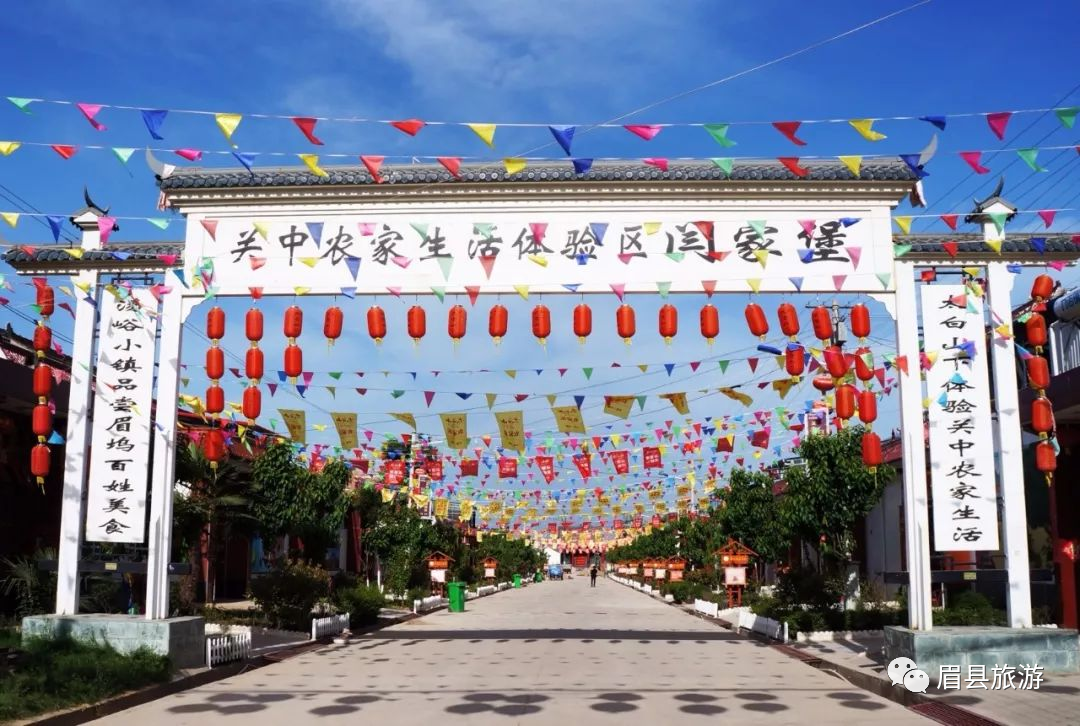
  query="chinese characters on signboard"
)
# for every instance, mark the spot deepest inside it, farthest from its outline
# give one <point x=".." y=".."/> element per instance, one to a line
<point x="120" y="455"/>
<point x="962" y="467"/>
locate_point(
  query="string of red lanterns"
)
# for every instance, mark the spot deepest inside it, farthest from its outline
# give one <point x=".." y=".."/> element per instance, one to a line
<point x="1038" y="372"/>
<point x="253" y="365"/>
<point x="213" y="440"/>
<point x="42" y="419"/>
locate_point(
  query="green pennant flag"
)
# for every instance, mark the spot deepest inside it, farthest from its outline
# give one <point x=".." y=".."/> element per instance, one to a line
<point x="758" y="225"/>
<point x="724" y="164"/>
<point x="23" y="104"/>
<point x="719" y="134"/>
<point x="885" y="278"/>
<point x="398" y="393"/>
<point x="336" y="375"/>
<point x="421" y="228"/>
<point x="185" y="381"/>
<point x="159" y="222"/>
<point x="641" y="402"/>
<point x="998" y="218"/>
<point x="665" y="287"/>
<point x="723" y="365"/>
<point x="676" y="256"/>
<point x="587" y="372"/>
<point x="333" y="391"/>
<point x="440" y="292"/>
<point x="901" y="250"/>
<point x="1067" y="116"/>
<point x="122" y="154"/>
<point x="445" y="263"/>
<point x="484" y="229"/>
<point x="1029" y="156"/>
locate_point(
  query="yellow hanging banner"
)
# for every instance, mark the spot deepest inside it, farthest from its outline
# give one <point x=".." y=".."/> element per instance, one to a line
<point x="455" y="426"/>
<point x="296" y="422"/>
<point x="618" y="406"/>
<point x="511" y="429"/>
<point x="345" y="423"/>
<point x="568" y="419"/>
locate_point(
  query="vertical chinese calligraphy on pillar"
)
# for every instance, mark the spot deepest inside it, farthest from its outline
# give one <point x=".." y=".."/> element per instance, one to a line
<point x="120" y="443"/>
<point x="961" y="443"/>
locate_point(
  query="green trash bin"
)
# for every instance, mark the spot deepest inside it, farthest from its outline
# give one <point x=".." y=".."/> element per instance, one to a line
<point x="456" y="593"/>
<point x="517" y="580"/>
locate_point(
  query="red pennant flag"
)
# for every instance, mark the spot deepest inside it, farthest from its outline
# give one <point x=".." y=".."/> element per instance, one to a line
<point x="792" y="164"/>
<point x="951" y="247"/>
<point x="998" y="122"/>
<point x="950" y="219"/>
<point x="753" y="364"/>
<point x="306" y="124"/>
<point x="901" y="363"/>
<point x="488" y="263"/>
<point x="656" y="162"/>
<point x="65" y="151"/>
<point x="452" y="164"/>
<point x="256" y="293"/>
<point x="474" y="292"/>
<point x="410" y="126"/>
<point x="928" y="275"/>
<point x="1047" y="216"/>
<point x="709" y="286"/>
<point x="210" y="225"/>
<point x="373" y="164"/>
<point x="972" y="158"/>
<point x="706" y="229"/>
<point x="788" y="129"/>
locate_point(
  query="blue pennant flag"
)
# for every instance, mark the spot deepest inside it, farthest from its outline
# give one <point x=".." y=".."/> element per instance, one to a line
<point x="669" y="367"/>
<point x="938" y="121"/>
<point x="1039" y="243"/>
<point x="564" y="135"/>
<point x="56" y="222"/>
<point x="579" y="400"/>
<point x="848" y="221"/>
<point x="349" y="292"/>
<point x="246" y="160"/>
<point x="573" y="287"/>
<point x="315" y="230"/>
<point x="353" y="263"/>
<point x="806" y="255"/>
<point x="463" y="396"/>
<point x="599" y="229"/>
<point x="912" y="160"/>
<point x="301" y="390"/>
<point x="281" y="376"/>
<point x="797" y="282"/>
<point x="153" y="120"/>
<point x="582" y="166"/>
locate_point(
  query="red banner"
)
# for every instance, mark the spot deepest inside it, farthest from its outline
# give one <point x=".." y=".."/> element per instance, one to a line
<point x="553" y="527"/>
<point x="470" y="467"/>
<point x="656" y="521"/>
<point x="434" y="470"/>
<point x="583" y="462"/>
<point x="636" y="523"/>
<point x="546" y="466"/>
<point x="760" y="439"/>
<point x="395" y="471"/>
<point x="652" y="457"/>
<point x="507" y="468"/>
<point x="724" y="444"/>
<point x="620" y="460"/>
<point x="617" y="524"/>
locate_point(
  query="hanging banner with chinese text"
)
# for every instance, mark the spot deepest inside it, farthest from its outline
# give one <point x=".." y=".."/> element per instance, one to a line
<point x="345" y="423"/>
<point x="296" y="422"/>
<point x="511" y="429"/>
<point x="568" y="419"/>
<point x="120" y="455"/>
<point x="961" y="439"/>
<point x="455" y="426"/>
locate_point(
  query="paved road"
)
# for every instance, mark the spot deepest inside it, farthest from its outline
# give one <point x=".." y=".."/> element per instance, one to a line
<point x="556" y="653"/>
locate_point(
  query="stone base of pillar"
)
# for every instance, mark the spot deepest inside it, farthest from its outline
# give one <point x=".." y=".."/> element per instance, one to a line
<point x="1057" y="650"/>
<point x="182" y="639"/>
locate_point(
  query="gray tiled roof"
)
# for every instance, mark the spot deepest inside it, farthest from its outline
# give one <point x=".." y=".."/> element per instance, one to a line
<point x="1057" y="245"/>
<point x="134" y="251"/>
<point x="546" y="171"/>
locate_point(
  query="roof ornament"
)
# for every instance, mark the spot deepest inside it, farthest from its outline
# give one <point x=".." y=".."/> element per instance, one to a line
<point x="90" y="203"/>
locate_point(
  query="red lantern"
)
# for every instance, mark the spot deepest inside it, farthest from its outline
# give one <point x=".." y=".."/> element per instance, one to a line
<point x="40" y="462"/>
<point x="789" y="319"/>
<point x="824" y="383"/>
<point x="1038" y="372"/>
<point x="867" y="407"/>
<point x="755" y="318"/>
<point x="253" y="364"/>
<point x="625" y="322"/>
<point x="668" y="322"/>
<point x="42" y="340"/>
<point x="253" y="325"/>
<point x="1045" y="457"/>
<point x="794" y="360"/>
<point x="845" y="401"/>
<point x="332" y="323"/>
<point x="215" y="362"/>
<point x="1042" y="288"/>
<point x="582" y="322"/>
<point x="864" y="371"/>
<point x="215" y="323"/>
<point x="46" y="300"/>
<point x="1042" y="416"/>
<point x="710" y="323"/>
<point x="1035" y="330"/>
<point x="871" y="450"/>
<point x="416" y="321"/>
<point x="821" y="319"/>
<point x="43" y="381"/>
<point x="215" y="399"/>
<point x="835" y="361"/>
<point x="376" y="323"/>
<point x="457" y="322"/>
<point x="497" y="322"/>
<point x="213" y="442"/>
<point x="541" y="323"/>
<point x="42" y="421"/>
<point x="294" y="322"/>
<point x="294" y="361"/>
<point x="860" y="321"/>
<point x="252" y="402"/>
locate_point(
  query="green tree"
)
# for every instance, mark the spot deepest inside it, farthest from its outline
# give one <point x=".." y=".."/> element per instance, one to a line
<point x="747" y="510"/>
<point x="826" y="499"/>
<point x="288" y="499"/>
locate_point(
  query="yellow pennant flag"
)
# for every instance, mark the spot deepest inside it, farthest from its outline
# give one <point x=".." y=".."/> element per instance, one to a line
<point x="345" y="423"/>
<point x="296" y="422"/>
<point x="485" y="132"/>
<point x="539" y="260"/>
<point x="263" y="228"/>
<point x="865" y="127"/>
<point x="522" y="290"/>
<point x="76" y="252"/>
<point x="7" y="148"/>
<point x="406" y="418"/>
<point x="228" y="122"/>
<point x="311" y="161"/>
<point x="568" y="419"/>
<point x="762" y="257"/>
<point x="782" y="386"/>
<point x="388" y="495"/>
<point x="491" y="399"/>
<point x="455" y="426"/>
<point x="511" y="429"/>
<point x="652" y="227"/>
<point x="853" y="163"/>
<point x="678" y="400"/>
<point x="904" y="223"/>
<point x="736" y="395"/>
<point x="754" y="283"/>
<point x="514" y="165"/>
<point x="12" y="218"/>
<point x="995" y="245"/>
<point x="310" y="261"/>
<point x="300" y="290"/>
<point x="419" y="500"/>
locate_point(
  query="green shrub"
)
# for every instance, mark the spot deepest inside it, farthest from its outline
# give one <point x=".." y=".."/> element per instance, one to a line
<point x="969" y="608"/>
<point x="54" y="674"/>
<point x="683" y="591"/>
<point x="289" y="591"/>
<point x="416" y="593"/>
<point x="362" y="602"/>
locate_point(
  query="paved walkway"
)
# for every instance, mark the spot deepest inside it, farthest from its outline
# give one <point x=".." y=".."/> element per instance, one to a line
<point x="554" y="653"/>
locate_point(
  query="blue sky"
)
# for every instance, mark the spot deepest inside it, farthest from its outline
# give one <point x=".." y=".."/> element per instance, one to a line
<point x="552" y="62"/>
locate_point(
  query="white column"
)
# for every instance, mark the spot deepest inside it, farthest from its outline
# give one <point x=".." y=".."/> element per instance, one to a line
<point x="916" y="510"/>
<point x="1011" y="467"/>
<point x="76" y="453"/>
<point x="174" y="309"/>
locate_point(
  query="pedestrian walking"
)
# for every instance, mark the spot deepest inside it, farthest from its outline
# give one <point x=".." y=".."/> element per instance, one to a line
<point x="592" y="576"/>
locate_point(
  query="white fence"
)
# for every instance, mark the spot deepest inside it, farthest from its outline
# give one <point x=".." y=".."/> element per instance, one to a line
<point x="331" y="625"/>
<point x="763" y="626"/>
<point x="227" y="648"/>
<point x="706" y="607"/>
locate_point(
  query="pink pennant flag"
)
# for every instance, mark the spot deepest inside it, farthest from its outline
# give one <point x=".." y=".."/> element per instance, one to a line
<point x="855" y="253"/>
<point x="657" y="162"/>
<point x="789" y="129"/>
<point x="210" y="225"/>
<point x="752" y="362"/>
<point x="273" y="388"/>
<point x="90" y="111"/>
<point x="373" y="164"/>
<point x="998" y="122"/>
<point x="105" y="228"/>
<point x="402" y="261"/>
<point x="972" y="158"/>
<point x="1076" y="240"/>
<point x="838" y="281"/>
<point x="950" y="219"/>
<point x="625" y="257"/>
<point x="619" y="289"/>
<point x="538" y="230"/>
<point x="808" y="226"/>
<point x="452" y="165"/>
<point x="395" y="291"/>
<point x="429" y="396"/>
<point x="367" y="229"/>
<point x="647" y="132"/>
<point x="256" y="262"/>
<point x="1058" y="265"/>
<point x="306" y="124"/>
<point x="169" y="260"/>
<point x="792" y="164"/>
<point x="189" y="154"/>
<point x="1047" y="216"/>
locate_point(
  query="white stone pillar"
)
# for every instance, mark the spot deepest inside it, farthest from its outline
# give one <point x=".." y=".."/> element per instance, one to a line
<point x="913" y="444"/>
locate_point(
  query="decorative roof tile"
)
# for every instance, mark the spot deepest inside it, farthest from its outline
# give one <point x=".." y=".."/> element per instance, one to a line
<point x="1057" y="245"/>
<point x="139" y="252"/>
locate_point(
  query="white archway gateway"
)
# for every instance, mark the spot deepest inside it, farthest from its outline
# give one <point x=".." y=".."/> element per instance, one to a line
<point x="622" y="227"/>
